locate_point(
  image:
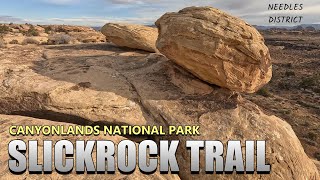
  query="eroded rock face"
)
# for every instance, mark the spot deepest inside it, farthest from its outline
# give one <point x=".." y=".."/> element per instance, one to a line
<point x="131" y="35"/>
<point x="216" y="47"/>
<point x="100" y="83"/>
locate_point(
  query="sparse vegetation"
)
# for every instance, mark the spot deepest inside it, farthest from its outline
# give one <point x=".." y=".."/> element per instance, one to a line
<point x="30" y="41"/>
<point x="4" y="29"/>
<point x="14" y="41"/>
<point x="284" y="85"/>
<point x="61" y="29"/>
<point x="60" y="39"/>
<point x="310" y="81"/>
<point x="264" y="92"/>
<point x="317" y="155"/>
<point x="289" y="65"/>
<point x="32" y="32"/>
<point x="312" y="136"/>
<point x="48" y="29"/>
<point x="290" y="73"/>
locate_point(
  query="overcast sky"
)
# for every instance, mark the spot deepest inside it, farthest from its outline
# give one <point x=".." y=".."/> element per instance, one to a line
<point x="99" y="12"/>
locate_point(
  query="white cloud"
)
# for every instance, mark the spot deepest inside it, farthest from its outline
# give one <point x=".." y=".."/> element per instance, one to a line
<point x="61" y="2"/>
<point x="148" y="11"/>
<point x="252" y="11"/>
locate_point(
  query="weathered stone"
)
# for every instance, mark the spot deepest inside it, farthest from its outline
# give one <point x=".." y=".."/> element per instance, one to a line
<point x="131" y="35"/>
<point x="216" y="47"/>
<point x="100" y="83"/>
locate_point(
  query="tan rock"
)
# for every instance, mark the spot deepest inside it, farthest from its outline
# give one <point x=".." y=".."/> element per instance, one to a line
<point x="131" y="35"/>
<point x="88" y="37"/>
<point x="39" y="29"/>
<point x="65" y="92"/>
<point x="64" y="83"/>
<point x="2" y="43"/>
<point x="216" y="47"/>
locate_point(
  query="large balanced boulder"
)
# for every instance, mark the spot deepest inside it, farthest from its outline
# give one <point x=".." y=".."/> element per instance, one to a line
<point x="132" y="36"/>
<point x="216" y="47"/>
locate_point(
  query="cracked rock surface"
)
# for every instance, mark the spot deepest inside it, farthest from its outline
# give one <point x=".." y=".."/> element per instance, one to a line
<point x="216" y="47"/>
<point x="131" y="35"/>
<point x="106" y="85"/>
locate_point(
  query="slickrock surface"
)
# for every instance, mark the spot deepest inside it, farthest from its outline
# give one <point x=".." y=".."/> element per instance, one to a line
<point x="216" y="47"/>
<point x="100" y="83"/>
<point x="49" y="34"/>
<point x="132" y="36"/>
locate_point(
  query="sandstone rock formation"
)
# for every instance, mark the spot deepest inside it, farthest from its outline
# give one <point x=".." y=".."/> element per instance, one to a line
<point x="131" y="35"/>
<point x="88" y="37"/>
<point x="216" y="47"/>
<point x="103" y="84"/>
<point x="50" y="34"/>
<point x="7" y="121"/>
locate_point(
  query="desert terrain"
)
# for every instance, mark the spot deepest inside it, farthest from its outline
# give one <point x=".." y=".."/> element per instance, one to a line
<point x="75" y="75"/>
<point x="293" y="92"/>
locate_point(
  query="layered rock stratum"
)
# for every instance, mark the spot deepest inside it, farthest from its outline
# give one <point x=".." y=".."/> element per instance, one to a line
<point x="216" y="47"/>
<point x="103" y="84"/>
<point x="131" y="35"/>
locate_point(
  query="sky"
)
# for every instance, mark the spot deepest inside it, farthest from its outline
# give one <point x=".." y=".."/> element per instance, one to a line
<point x="100" y="12"/>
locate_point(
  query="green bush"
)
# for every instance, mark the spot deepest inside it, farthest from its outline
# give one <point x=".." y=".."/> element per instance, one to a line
<point x="32" y="32"/>
<point x="48" y="29"/>
<point x="4" y="29"/>
<point x="264" y="92"/>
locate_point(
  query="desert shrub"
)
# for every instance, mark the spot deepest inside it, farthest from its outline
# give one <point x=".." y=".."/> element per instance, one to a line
<point x="61" y="29"/>
<point x="310" y="81"/>
<point x="312" y="136"/>
<point x="290" y="73"/>
<point x="284" y="85"/>
<point x="4" y="29"/>
<point x="264" y="92"/>
<point x="14" y="41"/>
<point x="30" y="41"/>
<point x="60" y="39"/>
<point x="317" y="155"/>
<point x="32" y="32"/>
<point x="48" y="29"/>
